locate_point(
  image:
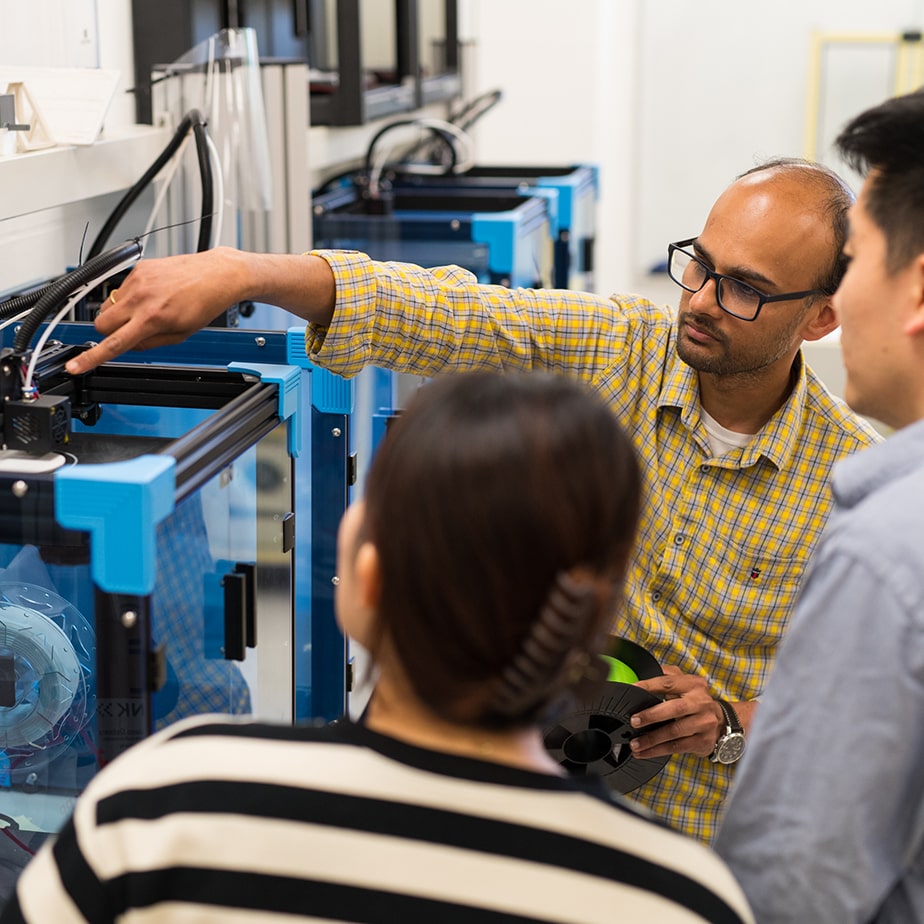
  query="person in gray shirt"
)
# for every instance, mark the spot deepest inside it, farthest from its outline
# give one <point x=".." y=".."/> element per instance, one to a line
<point x="825" y="822"/>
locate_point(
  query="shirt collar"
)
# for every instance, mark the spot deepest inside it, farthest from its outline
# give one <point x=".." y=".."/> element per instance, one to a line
<point x="776" y="440"/>
<point x="864" y="472"/>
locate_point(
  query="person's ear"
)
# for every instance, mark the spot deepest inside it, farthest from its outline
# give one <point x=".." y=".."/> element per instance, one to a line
<point x="820" y="320"/>
<point x="914" y="325"/>
<point x="368" y="572"/>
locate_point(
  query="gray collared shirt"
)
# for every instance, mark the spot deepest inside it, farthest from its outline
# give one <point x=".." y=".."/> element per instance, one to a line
<point x="825" y="823"/>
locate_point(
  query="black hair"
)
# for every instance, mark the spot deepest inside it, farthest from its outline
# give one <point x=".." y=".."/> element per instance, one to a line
<point x="886" y="144"/>
<point x="486" y="490"/>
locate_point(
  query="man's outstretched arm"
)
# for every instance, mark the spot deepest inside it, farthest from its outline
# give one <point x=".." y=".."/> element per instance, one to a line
<point x="164" y="301"/>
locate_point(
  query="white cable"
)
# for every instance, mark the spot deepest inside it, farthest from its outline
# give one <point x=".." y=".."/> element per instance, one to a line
<point x="219" y="198"/>
<point x="75" y="297"/>
<point x="175" y="162"/>
<point x="376" y="172"/>
<point x="210" y="82"/>
<point x="30" y="371"/>
<point x="468" y="160"/>
<point x="424" y="169"/>
<point x="15" y="318"/>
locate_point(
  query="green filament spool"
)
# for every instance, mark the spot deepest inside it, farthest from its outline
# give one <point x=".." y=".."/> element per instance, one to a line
<point x="620" y="672"/>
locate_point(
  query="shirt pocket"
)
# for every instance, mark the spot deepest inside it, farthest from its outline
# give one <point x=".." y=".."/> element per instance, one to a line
<point x="750" y="590"/>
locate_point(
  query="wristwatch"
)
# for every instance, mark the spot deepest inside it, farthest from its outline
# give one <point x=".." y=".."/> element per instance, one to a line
<point x="731" y="743"/>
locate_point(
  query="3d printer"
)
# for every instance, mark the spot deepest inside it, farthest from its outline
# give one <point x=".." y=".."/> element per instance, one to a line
<point x="137" y="572"/>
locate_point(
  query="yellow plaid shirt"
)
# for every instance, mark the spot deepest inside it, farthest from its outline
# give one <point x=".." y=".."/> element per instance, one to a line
<point x="723" y="542"/>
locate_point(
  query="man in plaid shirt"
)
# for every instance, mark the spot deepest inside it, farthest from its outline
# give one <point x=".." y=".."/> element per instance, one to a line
<point x="737" y="436"/>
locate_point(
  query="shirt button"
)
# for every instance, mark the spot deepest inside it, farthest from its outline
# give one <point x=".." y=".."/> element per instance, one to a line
<point x="704" y="469"/>
<point x="679" y="539"/>
<point x="656" y="595"/>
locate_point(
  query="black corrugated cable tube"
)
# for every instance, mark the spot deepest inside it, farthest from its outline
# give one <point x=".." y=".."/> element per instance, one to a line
<point x="192" y="120"/>
<point x="205" y="178"/>
<point x="19" y="303"/>
<point x="54" y="296"/>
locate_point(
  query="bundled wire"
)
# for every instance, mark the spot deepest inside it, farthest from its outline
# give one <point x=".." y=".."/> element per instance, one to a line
<point x="440" y="132"/>
<point x="215" y="162"/>
<point x="67" y="290"/>
<point x="446" y="150"/>
<point x="12" y="309"/>
<point x="454" y="138"/>
<point x="194" y="122"/>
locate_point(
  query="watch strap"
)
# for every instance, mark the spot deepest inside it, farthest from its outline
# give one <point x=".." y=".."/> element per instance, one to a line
<point x="731" y="717"/>
<point x="733" y="730"/>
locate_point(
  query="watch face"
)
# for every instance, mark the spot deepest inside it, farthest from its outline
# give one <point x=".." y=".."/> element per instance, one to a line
<point x="730" y="748"/>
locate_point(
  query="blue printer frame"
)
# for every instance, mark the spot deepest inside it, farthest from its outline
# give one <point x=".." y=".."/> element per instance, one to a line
<point x="73" y="697"/>
<point x="503" y="237"/>
<point x="577" y="188"/>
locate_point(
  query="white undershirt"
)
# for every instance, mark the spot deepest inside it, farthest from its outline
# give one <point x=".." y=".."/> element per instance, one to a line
<point x="721" y="439"/>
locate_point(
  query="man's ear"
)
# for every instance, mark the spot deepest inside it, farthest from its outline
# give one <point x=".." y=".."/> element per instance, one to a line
<point x="368" y="572"/>
<point x="820" y="320"/>
<point x="914" y="326"/>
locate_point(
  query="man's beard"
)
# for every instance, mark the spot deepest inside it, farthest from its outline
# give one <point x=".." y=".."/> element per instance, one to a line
<point x="695" y="356"/>
<point x="727" y="361"/>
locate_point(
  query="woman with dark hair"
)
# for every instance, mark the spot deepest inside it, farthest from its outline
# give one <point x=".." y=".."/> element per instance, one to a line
<point x="481" y="572"/>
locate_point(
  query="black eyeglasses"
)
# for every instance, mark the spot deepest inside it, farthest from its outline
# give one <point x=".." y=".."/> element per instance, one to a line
<point x="735" y="297"/>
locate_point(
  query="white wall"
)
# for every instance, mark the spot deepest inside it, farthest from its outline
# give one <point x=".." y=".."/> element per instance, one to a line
<point x="49" y="32"/>
<point x="568" y="73"/>
<point x="50" y="198"/>
<point x="672" y="98"/>
<point x="723" y="85"/>
<point x="114" y="21"/>
<point x="73" y="33"/>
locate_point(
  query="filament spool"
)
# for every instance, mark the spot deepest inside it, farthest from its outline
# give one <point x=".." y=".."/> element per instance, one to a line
<point x="593" y="738"/>
<point x="47" y="650"/>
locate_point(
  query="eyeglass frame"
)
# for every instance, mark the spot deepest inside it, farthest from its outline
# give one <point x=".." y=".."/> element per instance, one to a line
<point x="762" y="298"/>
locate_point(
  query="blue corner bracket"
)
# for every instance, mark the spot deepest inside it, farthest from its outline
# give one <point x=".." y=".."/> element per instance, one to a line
<point x="289" y="380"/>
<point x="120" y="505"/>
<point x="330" y="393"/>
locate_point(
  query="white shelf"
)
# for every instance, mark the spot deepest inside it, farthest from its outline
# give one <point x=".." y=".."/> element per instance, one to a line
<point x="38" y="180"/>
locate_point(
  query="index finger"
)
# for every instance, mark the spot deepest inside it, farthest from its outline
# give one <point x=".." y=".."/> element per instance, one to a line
<point x="108" y="348"/>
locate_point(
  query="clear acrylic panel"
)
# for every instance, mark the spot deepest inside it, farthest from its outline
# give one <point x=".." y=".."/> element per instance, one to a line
<point x="56" y="724"/>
